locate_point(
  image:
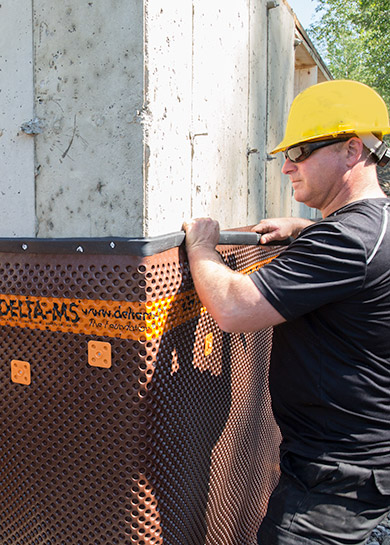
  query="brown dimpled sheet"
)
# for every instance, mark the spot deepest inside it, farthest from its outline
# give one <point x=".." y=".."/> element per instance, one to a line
<point x="127" y="416"/>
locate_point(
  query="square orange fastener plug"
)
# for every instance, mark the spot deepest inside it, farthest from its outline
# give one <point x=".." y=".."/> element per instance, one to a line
<point x="99" y="354"/>
<point x="21" y="372"/>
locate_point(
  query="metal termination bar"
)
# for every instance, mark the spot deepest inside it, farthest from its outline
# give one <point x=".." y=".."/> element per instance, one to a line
<point x="120" y="245"/>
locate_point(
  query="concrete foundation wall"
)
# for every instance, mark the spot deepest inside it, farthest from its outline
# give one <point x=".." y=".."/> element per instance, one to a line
<point x="138" y="115"/>
<point x="220" y="110"/>
<point x="167" y="115"/>
<point x="197" y="132"/>
<point x="89" y="96"/>
<point x="257" y="149"/>
<point x="17" y="204"/>
<point x="278" y="193"/>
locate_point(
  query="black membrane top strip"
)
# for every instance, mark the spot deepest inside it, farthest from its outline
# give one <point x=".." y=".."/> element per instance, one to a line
<point x="142" y="247"/>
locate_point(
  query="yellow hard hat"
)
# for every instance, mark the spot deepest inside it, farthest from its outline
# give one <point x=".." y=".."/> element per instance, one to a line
<point x="333" y="108"/>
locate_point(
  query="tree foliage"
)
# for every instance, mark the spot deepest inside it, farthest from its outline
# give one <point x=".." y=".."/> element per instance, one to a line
<point x="353" y="37"/>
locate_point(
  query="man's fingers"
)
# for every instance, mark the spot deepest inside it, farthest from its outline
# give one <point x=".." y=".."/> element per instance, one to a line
<point x="201" y="232"/>
<point x="261" y="228"/>
<point x="269" y="237"/>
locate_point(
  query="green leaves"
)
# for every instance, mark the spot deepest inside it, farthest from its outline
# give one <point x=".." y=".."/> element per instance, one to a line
<point x="352" y="37"/>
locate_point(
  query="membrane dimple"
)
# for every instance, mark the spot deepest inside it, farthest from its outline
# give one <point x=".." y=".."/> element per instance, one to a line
<point x="173" y="444"/>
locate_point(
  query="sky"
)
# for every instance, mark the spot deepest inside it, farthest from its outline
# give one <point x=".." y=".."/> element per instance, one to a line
<point x="304" y="10"/>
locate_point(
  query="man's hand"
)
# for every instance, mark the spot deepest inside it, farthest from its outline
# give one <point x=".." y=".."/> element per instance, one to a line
<point x="280" y="228"/>
<point x="201" y="233"/>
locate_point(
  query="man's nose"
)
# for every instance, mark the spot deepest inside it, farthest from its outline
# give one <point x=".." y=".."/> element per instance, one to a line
<point x="288" y="166"/>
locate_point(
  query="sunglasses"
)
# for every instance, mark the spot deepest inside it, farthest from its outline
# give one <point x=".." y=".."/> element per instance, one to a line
<point x="300" y="152"/>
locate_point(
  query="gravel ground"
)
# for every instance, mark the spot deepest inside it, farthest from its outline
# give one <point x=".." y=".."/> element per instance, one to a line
<point x="381" y="534"/>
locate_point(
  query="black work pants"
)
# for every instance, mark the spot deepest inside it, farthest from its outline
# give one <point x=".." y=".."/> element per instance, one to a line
<point x="328" y="504"/>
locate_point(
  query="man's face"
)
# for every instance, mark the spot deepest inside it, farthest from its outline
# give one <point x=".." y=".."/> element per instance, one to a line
<point x="318" y="179"/>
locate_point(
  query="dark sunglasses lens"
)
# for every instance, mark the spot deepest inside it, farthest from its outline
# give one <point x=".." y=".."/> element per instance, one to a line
<point x="301" y="152"/>
<point x="298" y="153"/>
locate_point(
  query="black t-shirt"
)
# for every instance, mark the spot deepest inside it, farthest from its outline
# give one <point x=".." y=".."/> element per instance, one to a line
<point x="330" y="362"/>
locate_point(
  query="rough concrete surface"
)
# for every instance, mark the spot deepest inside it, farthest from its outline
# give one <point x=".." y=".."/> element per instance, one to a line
<point x="138" y="115"/>
<point x="17" y="206"/>
<point x="89" y="95"/>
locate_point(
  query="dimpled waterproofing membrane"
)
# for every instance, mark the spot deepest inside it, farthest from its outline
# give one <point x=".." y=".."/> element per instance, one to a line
<point x="169" y="441"/>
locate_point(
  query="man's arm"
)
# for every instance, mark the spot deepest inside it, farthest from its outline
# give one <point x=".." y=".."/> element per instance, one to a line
<point x="230" y="297"/>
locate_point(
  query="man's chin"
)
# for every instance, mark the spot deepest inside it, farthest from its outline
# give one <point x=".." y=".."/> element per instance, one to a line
<point x="298" y="197"/>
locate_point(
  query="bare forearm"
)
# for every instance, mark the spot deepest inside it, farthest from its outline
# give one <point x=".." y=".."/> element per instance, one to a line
<point x="230" y="297"/>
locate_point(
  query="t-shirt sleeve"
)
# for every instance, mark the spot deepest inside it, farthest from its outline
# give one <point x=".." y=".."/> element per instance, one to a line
<point x="325" y="264"/>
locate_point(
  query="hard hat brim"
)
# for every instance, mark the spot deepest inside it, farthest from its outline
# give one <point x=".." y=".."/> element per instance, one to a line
<point x="287" y="143"/>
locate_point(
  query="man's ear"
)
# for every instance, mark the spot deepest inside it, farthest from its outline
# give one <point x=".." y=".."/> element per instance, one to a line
<point x="354" y="150"/>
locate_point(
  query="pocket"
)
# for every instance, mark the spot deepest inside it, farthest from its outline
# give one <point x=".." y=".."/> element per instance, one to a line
<point x="382" y="480"/>
<point x="309" y="474"/>
<point x="320" y="476"/>
<point x="286" y="465"/>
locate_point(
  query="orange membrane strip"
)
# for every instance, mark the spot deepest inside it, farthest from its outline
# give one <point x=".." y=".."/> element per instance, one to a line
<point x="117" y="319"/>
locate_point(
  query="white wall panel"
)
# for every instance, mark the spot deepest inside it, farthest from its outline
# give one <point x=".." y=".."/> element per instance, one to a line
<point x="280" y="80"/>
<point x="142" y="113"/>
<point x="89" y="89"/>
<point x="17" y="201"/>
<point x="168" y="65"/>
<point x="220" y="111"/>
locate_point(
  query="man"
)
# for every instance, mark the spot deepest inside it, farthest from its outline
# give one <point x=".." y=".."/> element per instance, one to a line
<point x="328" y="295"/>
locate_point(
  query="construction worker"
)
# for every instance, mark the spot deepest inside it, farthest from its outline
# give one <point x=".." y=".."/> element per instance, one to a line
<point x="328" y="296"/>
